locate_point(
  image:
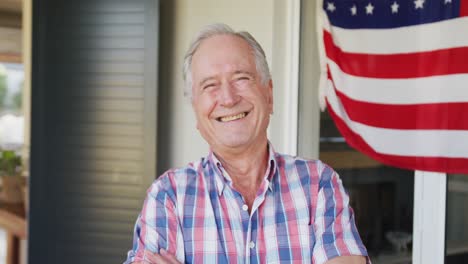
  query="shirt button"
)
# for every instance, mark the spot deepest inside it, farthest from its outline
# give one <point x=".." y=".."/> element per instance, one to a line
<point x="251" y="244"/>
<point x="245" y="207"/>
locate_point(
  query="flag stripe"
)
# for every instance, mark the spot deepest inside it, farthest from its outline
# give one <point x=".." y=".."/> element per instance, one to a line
<point x="434" y="89"/>
<point x="463" y="10"/>
<point x="450" y="165"/>
<point x="439" y="62"/>
<point x="428" y="116"/>
<point x="426" y="37"/>
<point x="396" y="80"/>
<point x="425" y="143"/>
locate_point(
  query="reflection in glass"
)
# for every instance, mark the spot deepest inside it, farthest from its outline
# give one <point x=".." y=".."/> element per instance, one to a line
<point x="381" y="196"/>
<point x="457" y="219"/>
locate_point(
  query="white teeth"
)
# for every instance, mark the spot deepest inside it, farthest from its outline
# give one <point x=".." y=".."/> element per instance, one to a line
<point x="230" y="118"/>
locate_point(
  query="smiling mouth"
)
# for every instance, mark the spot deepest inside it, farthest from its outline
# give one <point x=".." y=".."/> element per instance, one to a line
<point x="232" y="118"/>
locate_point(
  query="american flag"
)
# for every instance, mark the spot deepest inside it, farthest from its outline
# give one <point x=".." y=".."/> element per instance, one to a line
<point x="395" y="79"/>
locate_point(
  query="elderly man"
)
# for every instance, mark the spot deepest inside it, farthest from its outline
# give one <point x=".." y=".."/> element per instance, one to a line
<point x="244" y="202"/>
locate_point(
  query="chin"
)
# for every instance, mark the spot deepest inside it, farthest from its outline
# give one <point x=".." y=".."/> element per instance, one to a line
<point x="234" y="141"/>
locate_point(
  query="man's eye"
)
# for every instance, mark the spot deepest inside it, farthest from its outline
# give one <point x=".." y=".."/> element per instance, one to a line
<point x="208" y="86"/>
<point x="243" y="78"/>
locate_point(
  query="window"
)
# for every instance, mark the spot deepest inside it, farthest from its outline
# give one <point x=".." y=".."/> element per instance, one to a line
<point x="457" y="219"/>
<point x="381" y="196"/>
<point x="11" y="116"/>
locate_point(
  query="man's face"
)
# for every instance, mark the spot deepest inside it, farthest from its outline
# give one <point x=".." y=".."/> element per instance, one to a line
<point x="231" y="104"/>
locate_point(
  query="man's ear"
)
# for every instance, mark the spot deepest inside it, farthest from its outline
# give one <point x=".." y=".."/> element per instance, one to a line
<point x="195" y="113"/>
<point x="270" y="96"/>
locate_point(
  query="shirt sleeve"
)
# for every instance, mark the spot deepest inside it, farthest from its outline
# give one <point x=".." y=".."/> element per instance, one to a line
<point x="157" y="226"/>
<point x="334" y="226"/>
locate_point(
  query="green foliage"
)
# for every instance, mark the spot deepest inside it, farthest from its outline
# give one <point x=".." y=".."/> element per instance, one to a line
<point x="9" y="163"/>
<point x="3" y="88"/>
<point x="18" y="100"/>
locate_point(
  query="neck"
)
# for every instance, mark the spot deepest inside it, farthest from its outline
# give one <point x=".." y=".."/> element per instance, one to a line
<point x="246" y="169"/>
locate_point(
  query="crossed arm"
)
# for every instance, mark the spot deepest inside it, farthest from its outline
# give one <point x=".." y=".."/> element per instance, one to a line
<point x="166" y="258"/>
<point x="331" y="184"/>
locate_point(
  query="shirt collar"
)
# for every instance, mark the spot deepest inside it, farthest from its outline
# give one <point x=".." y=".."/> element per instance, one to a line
<point x="222" y="178"/>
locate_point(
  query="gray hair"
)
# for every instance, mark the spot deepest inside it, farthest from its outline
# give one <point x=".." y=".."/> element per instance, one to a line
<point x="261" y="63"/>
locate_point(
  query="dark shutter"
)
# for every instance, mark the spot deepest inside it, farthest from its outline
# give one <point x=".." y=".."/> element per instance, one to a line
<point x="93" y="142"/>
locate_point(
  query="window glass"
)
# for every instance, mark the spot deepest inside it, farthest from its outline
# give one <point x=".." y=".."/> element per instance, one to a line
<point x="381" y="196"/>
<point x="11" y="116"/>
<point x="457" y="219"/>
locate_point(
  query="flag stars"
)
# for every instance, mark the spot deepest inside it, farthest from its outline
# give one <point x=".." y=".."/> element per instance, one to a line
<point x="369" y="9"/>
<point x="395" y="7"/>
<point x="331" y="6"/>
<point x="447" y="1"/>
<point x="418" y="4"/>
<point x="353" y="10"/>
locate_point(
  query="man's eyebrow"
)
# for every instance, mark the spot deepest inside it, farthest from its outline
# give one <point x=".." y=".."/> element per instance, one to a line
<point x="213" y="78"/>
<point x="244" y="72"/>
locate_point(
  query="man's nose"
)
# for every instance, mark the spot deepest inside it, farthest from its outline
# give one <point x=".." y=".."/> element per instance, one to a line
<point x="228" y="95"/>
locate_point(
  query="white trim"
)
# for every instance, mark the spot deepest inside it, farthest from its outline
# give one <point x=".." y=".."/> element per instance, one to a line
<point x="321" y="54"/>
<point x="429" y="217"/>
<point x="309" y="73"/>
<point x="292" y="102"/>
<point x="283" y="131"/>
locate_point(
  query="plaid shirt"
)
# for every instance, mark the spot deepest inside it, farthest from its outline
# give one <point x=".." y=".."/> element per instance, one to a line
<point x="301" y="214"/>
